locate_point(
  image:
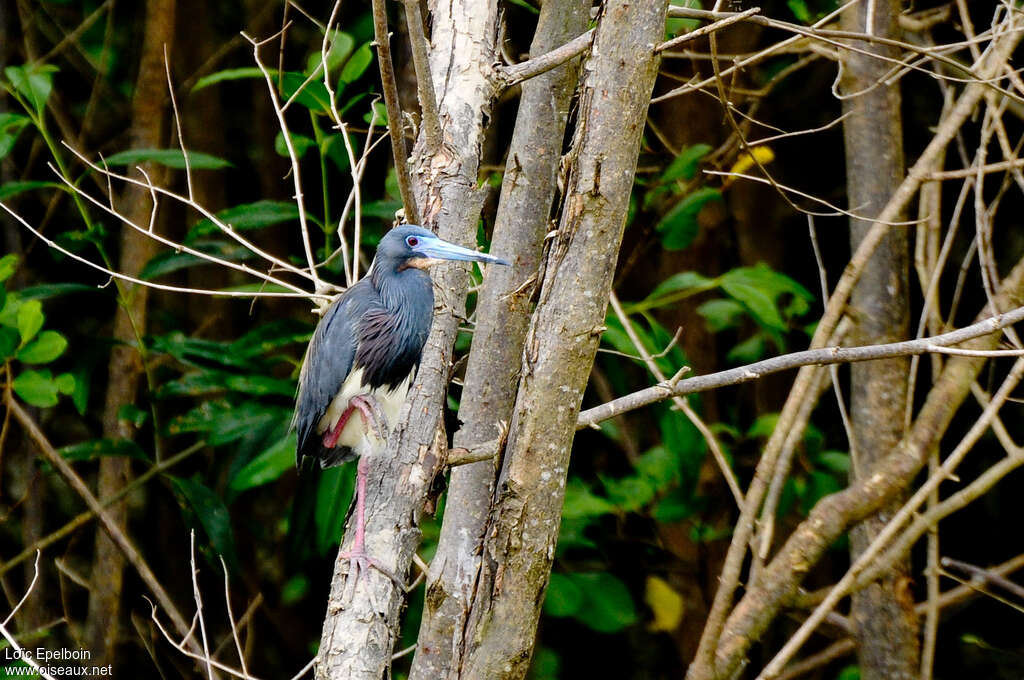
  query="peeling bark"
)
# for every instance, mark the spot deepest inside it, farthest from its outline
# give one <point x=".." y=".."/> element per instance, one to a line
<point x="503" y="313"/>
<point x="358" y="635"/>
<point x="883" y="617"/>
<point x="562" y="341"/>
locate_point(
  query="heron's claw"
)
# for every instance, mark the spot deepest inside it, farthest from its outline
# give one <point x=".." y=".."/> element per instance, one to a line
<point x="373" y="418"/>
<point x="359" y="563"/>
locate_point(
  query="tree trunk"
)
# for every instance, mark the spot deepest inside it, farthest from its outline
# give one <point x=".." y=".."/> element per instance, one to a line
<point x="358" y="635"/>
<point x="125" y="369"/>
<point x="883" y="616"/>
<point x="562" y="341"/>
<point x="503" y="314"/>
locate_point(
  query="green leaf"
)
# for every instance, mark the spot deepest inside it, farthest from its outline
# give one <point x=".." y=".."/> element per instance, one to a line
<point x="227" y="74"/>
<point x="564" y="597"/>
<point x="45" y="291"/>
<point x="675" y="507"/>
<point x="685" y="164"/>
<point x="356" y="66"/>
<point x="313" y="94"/>
<point x="835" y="461"/>
<point x="384" y="210"/>
<point x="66" y="384"/>
<point x="683" y="281"/>
<point x="44" y="349"/>
<point x="582" y="502"/>
<point x="172" y="158"/>
<point x="630" y="494"/>
<point x="12" y="189"/>
<point x="799" y="10"/>
<point x="378" y="115"/>
<point x="301" y="143"/>
<point x="226" y="422"/>
<point x="851" y="672"/>
<point x="678" y="26"/>
<point x="295" y="589"/>
<point x="679" y="226"/>
<point x="333" y="495"/>
<point x="756" y="300"/>
<point x="341" y="47"/>
<point x="763" y="426"/>
<point x="80" y="397"/>
<point x="267" y="466"/>
<point x="721" y="314"/>
<point x="333" y="147"/>
<point x="8" y="265"/>
<point x="11" y="125"/>
<point x="607" y="606"/>
<point x="750" y="350"/>
<point x="95" y="448"/>
<point x="132" y="415"/>
<point x="271" y="336"/>
<point x="30" y="320"/>
<point x="34" y="83"/>
<point x="8" y="342"/>
<point x="205" y="382"/>
<point x="212" y="514"/>
<point x="245" y="217"/>
<point x="36" y="388"/>
<point x="172" y="261"/>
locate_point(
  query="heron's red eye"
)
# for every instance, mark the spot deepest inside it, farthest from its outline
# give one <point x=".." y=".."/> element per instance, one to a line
<point x="412" y="241"/>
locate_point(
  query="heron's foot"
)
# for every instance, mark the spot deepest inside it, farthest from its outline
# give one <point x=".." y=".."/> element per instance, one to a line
<point x="374" y="420"/>
<point x="359" y="563"/>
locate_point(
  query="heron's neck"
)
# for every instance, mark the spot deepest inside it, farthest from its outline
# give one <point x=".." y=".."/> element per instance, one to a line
<point x="405" y="291"/>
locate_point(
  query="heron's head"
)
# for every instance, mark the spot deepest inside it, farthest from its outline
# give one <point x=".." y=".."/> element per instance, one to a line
<point x="413" y="246"/>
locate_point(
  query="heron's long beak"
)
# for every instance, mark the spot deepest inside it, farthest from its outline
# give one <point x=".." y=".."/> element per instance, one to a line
<point x="439" y="249"/>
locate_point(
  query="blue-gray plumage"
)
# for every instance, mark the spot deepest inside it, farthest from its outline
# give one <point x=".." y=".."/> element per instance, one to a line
<point x="366" y="349"/>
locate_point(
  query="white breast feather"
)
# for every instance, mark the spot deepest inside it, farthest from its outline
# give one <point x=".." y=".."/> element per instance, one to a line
<point x="390" y="401"/>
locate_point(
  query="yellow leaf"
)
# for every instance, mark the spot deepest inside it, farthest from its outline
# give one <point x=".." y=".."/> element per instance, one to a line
<point x="666" y="603"/>
<point x="763" y="154"/>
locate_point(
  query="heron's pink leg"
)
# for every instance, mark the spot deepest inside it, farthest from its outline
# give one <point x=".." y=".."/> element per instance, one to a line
<point x="357" y="557"/>
<point x="370" y="412"/>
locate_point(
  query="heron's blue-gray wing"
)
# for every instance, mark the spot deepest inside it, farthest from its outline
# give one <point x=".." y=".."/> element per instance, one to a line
<point x="328" y="362"/>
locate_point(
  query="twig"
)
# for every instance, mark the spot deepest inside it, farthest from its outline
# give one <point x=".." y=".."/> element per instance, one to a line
<point x="394" y="108"/>
<point x="681" y="403"/>
<point x="868" y="557"/>
<point x="84" y="517"/>
<point x="111" y="527"/>
<point x="27" y="658"/>
<point x="983" y="575"/>
<point x="810" y="357"/>
<point x="705" y="30"/>
<point x="231" y="617"/>
<point x="131" y="279"/>
<point x="199" y="602"/>
<point x="292" y="155"/>
<point x="510" y="75"/>
<point x="424" y="80"/>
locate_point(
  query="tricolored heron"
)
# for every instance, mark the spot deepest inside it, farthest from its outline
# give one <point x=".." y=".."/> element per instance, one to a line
<point x="364" y="354"/>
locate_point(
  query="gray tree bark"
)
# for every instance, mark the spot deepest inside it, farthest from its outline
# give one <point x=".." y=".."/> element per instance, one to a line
<point x="885" y="625"/>
<point x="503" y="313"/>
<point x="562" y="341"/>
<point x="359" y="634"/>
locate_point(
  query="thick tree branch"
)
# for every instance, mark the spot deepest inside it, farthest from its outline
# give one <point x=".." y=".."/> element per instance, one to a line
<point x="562" y="341"/>
<point x="358" y="635"/>
<point x="503" y="314"/>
